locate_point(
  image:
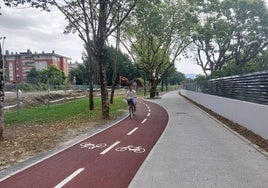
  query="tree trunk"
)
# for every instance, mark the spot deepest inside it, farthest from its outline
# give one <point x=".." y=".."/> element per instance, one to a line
<point x="1" y="95"/>
<point x="91" y="97"/>
<point x="101" y="53"/>
<point x="103" y="83"/>
<point x="144" y="85"/>
<point x="115" y="64"/>
<point x="114" y="78"/>
<point x="91" y="61"/>
<point x="153" y="90"/>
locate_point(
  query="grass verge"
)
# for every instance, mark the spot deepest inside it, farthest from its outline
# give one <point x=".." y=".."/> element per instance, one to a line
<point x="74" y="110"/>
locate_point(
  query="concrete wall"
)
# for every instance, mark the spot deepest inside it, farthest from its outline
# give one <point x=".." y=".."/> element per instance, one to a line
<point x="250" y="115"/>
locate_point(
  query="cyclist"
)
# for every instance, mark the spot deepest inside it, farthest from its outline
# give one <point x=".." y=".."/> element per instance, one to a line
<point x="131" y="96"/>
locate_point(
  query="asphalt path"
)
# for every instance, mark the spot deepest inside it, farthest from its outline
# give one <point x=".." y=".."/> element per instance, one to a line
<point x="109" y="158"/>
<point x="197" y="151"/>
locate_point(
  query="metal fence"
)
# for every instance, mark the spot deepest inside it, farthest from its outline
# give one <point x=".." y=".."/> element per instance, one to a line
<point x="251" y="87"/>
<point x="24" y="95"/>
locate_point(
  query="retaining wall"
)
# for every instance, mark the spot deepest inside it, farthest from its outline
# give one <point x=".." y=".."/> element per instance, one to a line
<point x="250" y="115"/>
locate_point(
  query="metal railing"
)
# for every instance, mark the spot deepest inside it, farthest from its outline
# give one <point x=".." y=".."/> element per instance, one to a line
<point x="252" y="87"/>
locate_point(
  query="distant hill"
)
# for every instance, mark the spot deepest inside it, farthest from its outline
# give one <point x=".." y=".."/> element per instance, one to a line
<point x="192" y="75"/>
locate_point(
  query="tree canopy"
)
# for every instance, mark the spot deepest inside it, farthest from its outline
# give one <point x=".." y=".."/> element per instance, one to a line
<point x="230" y="31"/>
<point x="125" y="67"/>
<point x="52" y="76"/>
<point x="157" y="33"/>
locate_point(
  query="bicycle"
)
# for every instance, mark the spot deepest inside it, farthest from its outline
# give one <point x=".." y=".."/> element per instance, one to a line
<point x="131" y="108"/>
<point x="92" y="146"/>
<point x="137" y="149"/>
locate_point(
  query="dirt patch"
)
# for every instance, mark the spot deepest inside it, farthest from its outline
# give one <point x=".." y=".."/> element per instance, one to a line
<point x="21" y="142"/>
<point x="24" y="141"/>
<point x="246" y="133"/>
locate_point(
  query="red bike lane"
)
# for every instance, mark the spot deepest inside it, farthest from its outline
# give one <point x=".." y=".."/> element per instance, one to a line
<point x="97" y="161"/>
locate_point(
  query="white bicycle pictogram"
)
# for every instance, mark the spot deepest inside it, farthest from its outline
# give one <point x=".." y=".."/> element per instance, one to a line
<point x="92" y="146"/>
<point x="137" y="149"/>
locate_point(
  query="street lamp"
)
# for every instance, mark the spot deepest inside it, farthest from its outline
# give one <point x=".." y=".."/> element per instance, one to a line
<point x="3" y="42"/>
<point x="2" y="52"/>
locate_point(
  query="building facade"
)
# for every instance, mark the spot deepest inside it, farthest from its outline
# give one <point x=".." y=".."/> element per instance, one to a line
<point x="18" y="65"/>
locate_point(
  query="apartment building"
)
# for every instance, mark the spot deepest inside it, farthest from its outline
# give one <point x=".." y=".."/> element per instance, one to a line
<point x="18" y="65"/>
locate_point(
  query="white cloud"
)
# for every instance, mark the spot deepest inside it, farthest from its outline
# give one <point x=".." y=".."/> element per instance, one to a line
<point x="38" y="31"/>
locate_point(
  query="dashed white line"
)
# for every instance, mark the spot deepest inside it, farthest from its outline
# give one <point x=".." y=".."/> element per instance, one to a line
<point x="69" y="178"/>
<point x="109" y="148"/>
<point x="132" y="131"/>
<point x="148" y="114"/>
<point x="144" y="121"/>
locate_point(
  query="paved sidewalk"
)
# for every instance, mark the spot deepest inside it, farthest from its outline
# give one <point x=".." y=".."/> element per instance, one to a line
<point x="196" y="151"/>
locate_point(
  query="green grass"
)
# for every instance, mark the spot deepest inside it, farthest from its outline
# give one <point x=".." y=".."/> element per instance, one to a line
<point x="74" y="111"/>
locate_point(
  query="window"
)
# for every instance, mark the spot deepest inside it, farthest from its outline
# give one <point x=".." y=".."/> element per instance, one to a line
<point x="28" y="63"/>
<point x="41" y="65"/>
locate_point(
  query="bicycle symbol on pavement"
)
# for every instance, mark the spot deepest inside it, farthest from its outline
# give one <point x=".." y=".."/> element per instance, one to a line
<point x="92" y="146"/>
<point x="137" y="149"/>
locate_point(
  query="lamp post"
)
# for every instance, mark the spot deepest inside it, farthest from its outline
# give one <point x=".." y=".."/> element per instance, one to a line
<point x="2" y="85"/>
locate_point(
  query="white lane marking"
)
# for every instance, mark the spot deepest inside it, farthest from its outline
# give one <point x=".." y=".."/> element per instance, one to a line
<point x="109" y="148"/>
<point x="132" y="131"/>
<point x="69" y="178"/>
<point x="149" y="110"/>
<point x="148" y="114"/>
<point x="144" y="121"/>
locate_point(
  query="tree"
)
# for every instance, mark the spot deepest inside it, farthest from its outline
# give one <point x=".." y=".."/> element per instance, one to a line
<point x="125" y="66"/>
<point x="158" y="33"/>
<point x="33" y="76"/>
<point x="81" y="74"/>
<point x="230" y="31"/>
<point x="176" y="78"/>
<point x="94" y="21"/>
<point x="259" y="63"/>
<point x="52" y="76"/>
<point x="200" y="78"/>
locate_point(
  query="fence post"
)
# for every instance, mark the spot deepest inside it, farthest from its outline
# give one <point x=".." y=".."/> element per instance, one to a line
<point x="65" y="92"/>
<point x="48" y="95"/>
<point x="17" y="99"/>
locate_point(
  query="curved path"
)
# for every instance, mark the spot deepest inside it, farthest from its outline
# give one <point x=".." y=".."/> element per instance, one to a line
<point x="110" y="158"/>
<point x="197" y="151"/>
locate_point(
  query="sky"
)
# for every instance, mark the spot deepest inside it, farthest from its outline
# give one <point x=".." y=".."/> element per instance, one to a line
<point x="28" y="28"/>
